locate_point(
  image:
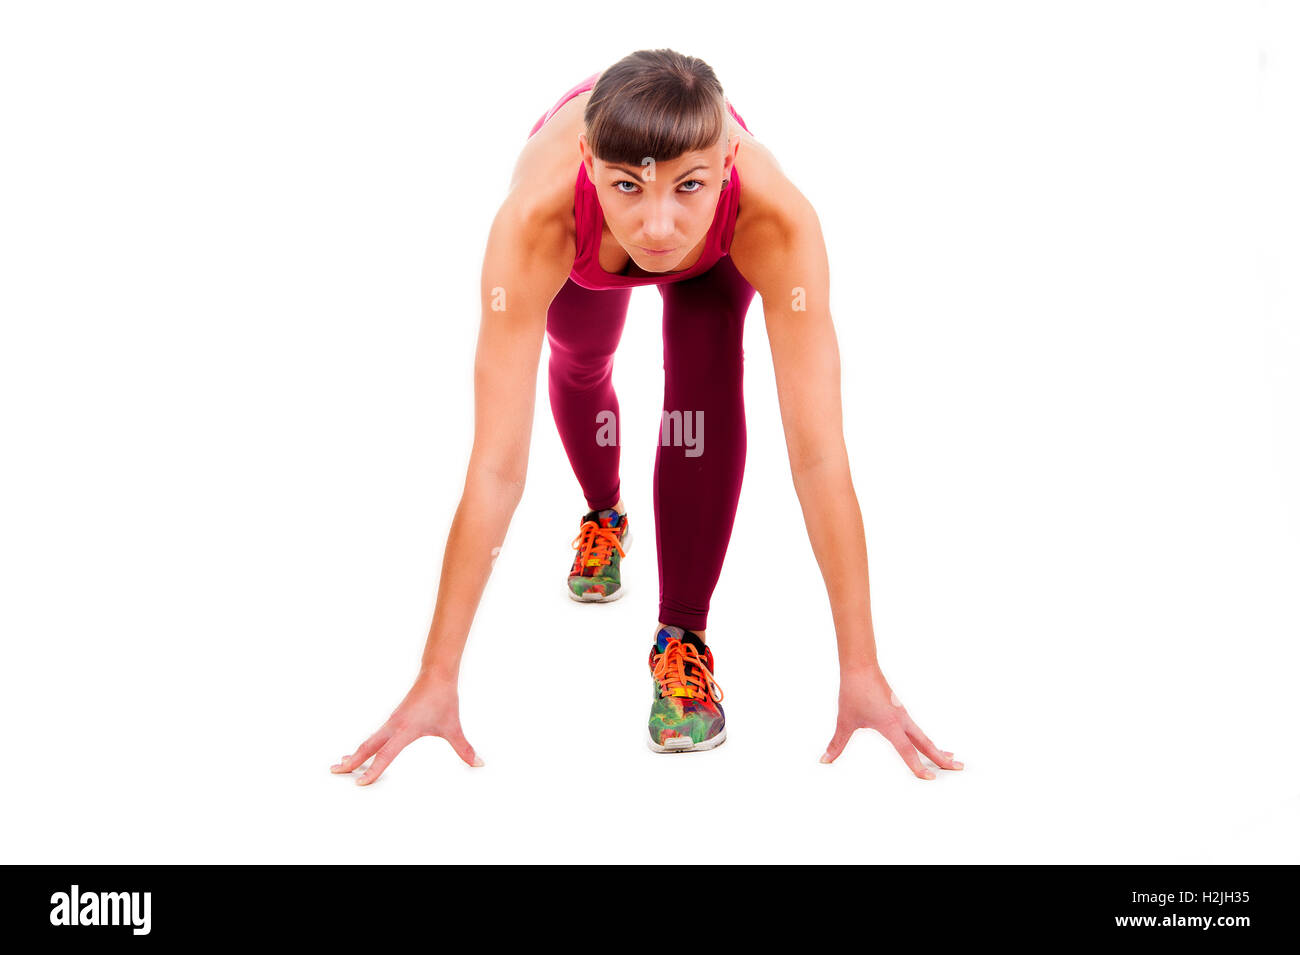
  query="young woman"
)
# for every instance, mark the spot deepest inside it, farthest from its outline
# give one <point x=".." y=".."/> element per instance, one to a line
<point x="656" y="199"/>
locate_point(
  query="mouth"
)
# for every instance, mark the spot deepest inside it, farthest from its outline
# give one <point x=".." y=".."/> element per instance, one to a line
<point x="654" y="251"/>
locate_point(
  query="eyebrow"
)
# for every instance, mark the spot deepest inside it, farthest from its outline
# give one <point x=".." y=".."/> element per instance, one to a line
<point x="637" y="172"/>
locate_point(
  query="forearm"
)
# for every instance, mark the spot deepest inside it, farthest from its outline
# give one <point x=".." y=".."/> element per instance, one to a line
<point x="834" y="522"/>
<point x="477" y="531"/>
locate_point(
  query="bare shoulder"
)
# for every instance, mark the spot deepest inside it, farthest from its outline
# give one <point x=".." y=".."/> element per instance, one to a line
<point x="544" y="173"/>
<point x="774" y="214"/>
<point x="528" y="244"/>
<point x="534" y="226"/>
<point x="531" y="244"/>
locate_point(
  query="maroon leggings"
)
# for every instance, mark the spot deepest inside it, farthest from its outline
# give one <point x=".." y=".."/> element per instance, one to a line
<point x="701" y="456"/>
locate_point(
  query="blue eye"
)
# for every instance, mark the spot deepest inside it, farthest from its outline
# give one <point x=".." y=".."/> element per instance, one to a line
<point x="628" y="182"/>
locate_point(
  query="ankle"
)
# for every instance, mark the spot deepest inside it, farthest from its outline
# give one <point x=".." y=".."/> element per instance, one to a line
<point x="698" y="633"/>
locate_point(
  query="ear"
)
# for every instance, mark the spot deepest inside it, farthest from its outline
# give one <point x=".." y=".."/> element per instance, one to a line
<point x="729" y="157"/>
<point x="587" y="157"/>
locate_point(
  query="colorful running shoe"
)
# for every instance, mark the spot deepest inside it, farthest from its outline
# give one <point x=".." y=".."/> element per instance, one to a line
<point x="686" y="716"/>
<point x="603" y="541"/>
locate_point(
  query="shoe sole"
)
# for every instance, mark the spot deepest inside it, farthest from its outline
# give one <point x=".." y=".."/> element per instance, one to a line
<point x="688" y="746"/>
<point x="604" y="598"/>
<point x="590" y="598"/>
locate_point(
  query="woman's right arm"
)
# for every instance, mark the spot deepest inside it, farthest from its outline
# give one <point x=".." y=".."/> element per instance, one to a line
<point x="524" y="267"/>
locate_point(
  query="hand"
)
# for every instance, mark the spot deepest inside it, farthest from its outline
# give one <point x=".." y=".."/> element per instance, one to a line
<point x="431" y="708"/>
<point x="867" y="702"/>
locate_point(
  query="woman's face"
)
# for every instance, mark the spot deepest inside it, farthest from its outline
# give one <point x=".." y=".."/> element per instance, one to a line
<point x="661" y="207"/>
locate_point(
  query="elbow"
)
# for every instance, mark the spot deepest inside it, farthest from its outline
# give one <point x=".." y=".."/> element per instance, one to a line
<point x="812" y="462"/>
<point x="501" y="480"/>
<point x="509" y="484"/>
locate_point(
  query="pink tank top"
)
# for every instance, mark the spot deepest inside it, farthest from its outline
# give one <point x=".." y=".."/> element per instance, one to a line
<point x="589" y="221"/>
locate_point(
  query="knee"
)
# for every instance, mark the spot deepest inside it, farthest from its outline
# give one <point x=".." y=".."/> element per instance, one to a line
<point x="580" y="373"/>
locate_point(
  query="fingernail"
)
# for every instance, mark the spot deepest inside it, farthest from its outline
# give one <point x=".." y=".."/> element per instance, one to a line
<point x="477" y="761"/>
<point x="362" y="780"/>
<point x="826" y="757"/>
<point x="958" y="765"/>
<point x="928" y="775"/>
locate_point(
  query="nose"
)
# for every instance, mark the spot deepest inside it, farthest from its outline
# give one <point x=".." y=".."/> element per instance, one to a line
<point x="658" y="224"/>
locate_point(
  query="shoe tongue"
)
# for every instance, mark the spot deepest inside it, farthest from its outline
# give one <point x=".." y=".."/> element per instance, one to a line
<point x="606" y="517"/>
<point x="661" y="639"/>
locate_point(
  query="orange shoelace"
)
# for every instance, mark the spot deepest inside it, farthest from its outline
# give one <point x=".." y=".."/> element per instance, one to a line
<point x="673" y="679"/>
<point x="595" y="546"/>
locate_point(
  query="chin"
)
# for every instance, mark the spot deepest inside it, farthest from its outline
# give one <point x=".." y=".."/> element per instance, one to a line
<point x="658" y="263"/>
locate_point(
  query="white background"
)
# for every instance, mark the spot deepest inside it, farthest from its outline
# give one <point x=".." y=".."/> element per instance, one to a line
<point x="239" y="256"/>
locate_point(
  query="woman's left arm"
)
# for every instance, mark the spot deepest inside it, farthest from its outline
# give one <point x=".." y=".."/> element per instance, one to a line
<point x="784" y="257"/>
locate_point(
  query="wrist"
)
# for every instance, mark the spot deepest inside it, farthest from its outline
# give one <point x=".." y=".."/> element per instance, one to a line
<point x="437" y="674"/>
<point x="859" y="666"/>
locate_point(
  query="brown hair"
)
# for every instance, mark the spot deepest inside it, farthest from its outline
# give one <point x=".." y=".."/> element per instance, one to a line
<point x="654" y="103"/>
